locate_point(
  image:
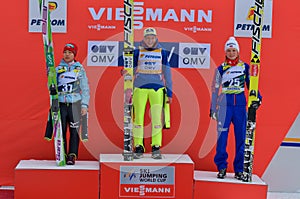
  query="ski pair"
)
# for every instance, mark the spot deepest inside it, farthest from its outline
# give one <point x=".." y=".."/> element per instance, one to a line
<point x="128" y="77"/>
<point x="253" y="89"/>
<point x="52" y="84"/>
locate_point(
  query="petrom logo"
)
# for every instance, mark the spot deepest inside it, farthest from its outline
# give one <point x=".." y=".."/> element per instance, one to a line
<point x="58" y="16"/>
<point x="52" y="5"/>
<point x="250" y="26"/>
<point x="250" y="15"/>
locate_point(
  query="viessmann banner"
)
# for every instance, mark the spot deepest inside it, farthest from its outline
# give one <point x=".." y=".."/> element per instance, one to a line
<point x="147" y="181"/>
<point x="192" y="19"/>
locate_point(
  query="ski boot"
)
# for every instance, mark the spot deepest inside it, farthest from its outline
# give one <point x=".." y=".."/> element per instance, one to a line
<point x="221" y="174"/>
<point x="71" y="159"/>
<point x="138" y="152"/>
<point x="239" y="175"/>
<point x="156" y="152"/>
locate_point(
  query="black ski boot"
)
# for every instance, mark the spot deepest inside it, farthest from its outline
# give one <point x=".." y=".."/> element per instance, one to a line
<point x="239" y="175"/>
<point x="222" y="173"/>
<point x="138" y="152"/>
<point x="71" y="159"/>
<point x="156" y="152"/>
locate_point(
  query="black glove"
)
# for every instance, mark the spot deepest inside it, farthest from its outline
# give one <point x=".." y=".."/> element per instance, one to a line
<point x="256" y="104"/>
<point x="213" y="114"/>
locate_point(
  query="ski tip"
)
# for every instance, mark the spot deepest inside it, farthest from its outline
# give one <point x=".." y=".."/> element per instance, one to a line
<point x="61" y="163"/>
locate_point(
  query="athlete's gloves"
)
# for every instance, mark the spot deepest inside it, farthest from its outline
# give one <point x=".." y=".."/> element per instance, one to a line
<point x="213" y="114"/>
<point x="256" y="104"/>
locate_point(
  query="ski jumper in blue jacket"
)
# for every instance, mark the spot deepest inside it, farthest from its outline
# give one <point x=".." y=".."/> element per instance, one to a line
<point x="152" y="77"/>
<point x="228" y="105"/>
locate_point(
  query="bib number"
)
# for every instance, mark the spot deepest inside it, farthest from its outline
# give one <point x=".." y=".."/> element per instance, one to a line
<point x="67" y="88"/>
<point x="234" y="82"/>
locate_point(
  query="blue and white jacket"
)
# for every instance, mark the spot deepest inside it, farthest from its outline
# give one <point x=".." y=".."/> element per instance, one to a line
<point x="231" y="80"/>
<point x="72" y="83"/>
<point x="152" y="69"/>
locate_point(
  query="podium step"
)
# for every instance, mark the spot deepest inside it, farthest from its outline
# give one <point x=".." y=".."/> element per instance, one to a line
<point x="36" y="179"/>
<point x="208" y="186"/>
<point x="170" y="177"/>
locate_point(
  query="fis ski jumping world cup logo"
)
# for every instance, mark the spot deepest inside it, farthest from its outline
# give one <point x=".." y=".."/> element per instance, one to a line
<point x="147" y="181"/>
<point x="130" y="175"/>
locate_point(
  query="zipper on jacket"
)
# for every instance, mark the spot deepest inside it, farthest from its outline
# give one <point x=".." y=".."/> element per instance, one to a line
<point x="234" y="99"/>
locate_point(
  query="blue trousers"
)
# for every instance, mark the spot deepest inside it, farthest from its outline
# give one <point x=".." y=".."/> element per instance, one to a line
<point x="238" y="116"/>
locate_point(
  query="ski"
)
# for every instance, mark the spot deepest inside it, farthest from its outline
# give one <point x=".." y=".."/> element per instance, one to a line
<point x="52" y="84"/>
<point x="128" y="78"/>
<point x="166" y="113"/>
<point x="253" y="89"/>
<point x="84" y="128"/>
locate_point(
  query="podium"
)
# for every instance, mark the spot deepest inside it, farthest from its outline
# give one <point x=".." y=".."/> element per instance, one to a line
<point x="170" y="177"/>
<point x="208" y="186"/>
<point x="36" y="179"/>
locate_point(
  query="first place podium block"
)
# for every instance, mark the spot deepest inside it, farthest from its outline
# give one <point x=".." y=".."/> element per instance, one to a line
<point x="36" y="179"/>
<point x="208" y="186"/>
<point x="170" y="177"/>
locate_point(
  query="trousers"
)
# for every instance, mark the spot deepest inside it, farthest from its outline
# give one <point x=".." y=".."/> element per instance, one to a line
<point x="140" y="99"/>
